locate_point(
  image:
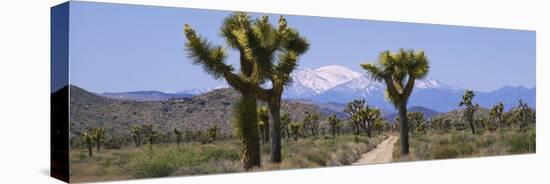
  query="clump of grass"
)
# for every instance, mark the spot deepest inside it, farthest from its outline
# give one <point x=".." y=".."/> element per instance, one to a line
<point x="522" y="143"/>
<point x="457" y="144"/>
<point x="445" y="151"/>
<point x="193" y="158"/>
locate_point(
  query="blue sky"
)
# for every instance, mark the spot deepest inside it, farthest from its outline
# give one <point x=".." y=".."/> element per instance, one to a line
<point x="116" y="48"/>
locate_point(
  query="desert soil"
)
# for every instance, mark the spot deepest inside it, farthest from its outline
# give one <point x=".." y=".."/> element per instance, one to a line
<point x="381" y="154"/>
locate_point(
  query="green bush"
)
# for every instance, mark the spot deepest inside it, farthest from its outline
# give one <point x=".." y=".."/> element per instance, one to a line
<point x="445" y="151"/>
<point x="522" y="143"/>
<point x="156" y="166"/>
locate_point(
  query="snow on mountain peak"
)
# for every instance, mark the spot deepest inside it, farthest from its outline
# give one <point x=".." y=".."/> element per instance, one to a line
<point x="324" y="78"/>
<point x="432" y="83"/>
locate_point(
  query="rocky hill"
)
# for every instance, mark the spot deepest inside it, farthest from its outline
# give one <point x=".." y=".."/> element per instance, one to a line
<point x="195" y="113"/>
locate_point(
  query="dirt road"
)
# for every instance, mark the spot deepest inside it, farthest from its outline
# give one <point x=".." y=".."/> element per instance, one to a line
<point x="381" y="154"/>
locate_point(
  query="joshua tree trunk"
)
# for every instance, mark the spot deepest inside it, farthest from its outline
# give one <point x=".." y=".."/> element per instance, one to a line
<point x="472" y="126"/>
<point x="98" y="146"/>
<point x="333" y="133"/>
<point x="274" y="109"/>
<point x="246" y="120"/>
<point x="90" y="150"/>
<point x="404" y="132"/>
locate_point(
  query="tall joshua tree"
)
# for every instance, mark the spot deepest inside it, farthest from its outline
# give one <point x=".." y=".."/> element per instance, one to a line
<point x="259" y="45"/>
<point x="334" y="123"/>
<point x="282" y="47"/>
<point x="399" y="71"/>
<point x="263" y="121"/>
<point x="470" y="108"/>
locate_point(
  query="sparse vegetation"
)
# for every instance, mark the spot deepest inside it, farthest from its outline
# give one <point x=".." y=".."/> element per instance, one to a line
<point x="457" y="144"/>
<point x="220" y="157"/>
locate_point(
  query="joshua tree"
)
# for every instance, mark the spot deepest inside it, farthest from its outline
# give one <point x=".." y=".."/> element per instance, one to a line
<point x="136" y="134"/>
<point x="311" y="122"/>
<point x="379" y="125"/>
<point x="369" y="116"/>
<point x="523" y="114"/>
<point x="281" y="49"/>
<point x="362" y="115"/>
<point x="263" y="122"/>
<point x="285" y="123"/>
<point x="399" y="71"/>
<point x="87" y="137"/>
<point x="295" y="128"/>
<point x="265" y="52"/>
<point x="352" y="109"/>
<point x="178" y="135"/>
<point x="415" y="119"/>
<point x="334" y="123"/>
<point x="213" y="132"/>
<point x="496" y="114"/>
<point x="98" y="135"/>
<point x="243" y="35"/>
<point x="470" y="108"/>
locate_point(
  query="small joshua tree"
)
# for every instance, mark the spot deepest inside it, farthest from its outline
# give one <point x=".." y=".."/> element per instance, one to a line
<point x="523" y="115"/>
<point x="136" y="134"/>
<point x="88" y="140"/>
<point x="285" y="124"/>
<point x="178" y="135"/>
<point x="470" y="108"/>
<point x="361" y="115"/>
<point x="295" y="128"/>
<point x="311" y="122"/>
<point x="263" y="122"/>
<point x="98" y="135"/>
<point x="213" y="132"/>
<point x="415" y="118"/>
<point x="352" y="110"/>
<point x="496" y="114"/>
<point x="379" y="125"/>
<point x="334" y="124"/>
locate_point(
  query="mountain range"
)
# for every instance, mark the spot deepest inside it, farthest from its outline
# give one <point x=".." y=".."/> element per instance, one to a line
<point x="337" y="85"/>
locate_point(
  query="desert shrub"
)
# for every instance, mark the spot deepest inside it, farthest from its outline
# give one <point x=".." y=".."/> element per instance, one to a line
<point x="465" y="149"/>
<point x="522" y="142"/>
<point x="156" y="166"/>
<point x="445" y="151"/>
<point x="219" y="152"/>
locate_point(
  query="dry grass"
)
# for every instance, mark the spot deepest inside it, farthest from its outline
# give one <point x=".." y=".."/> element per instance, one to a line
<point x="219" y="157"/>
<point x="459" y="144"/>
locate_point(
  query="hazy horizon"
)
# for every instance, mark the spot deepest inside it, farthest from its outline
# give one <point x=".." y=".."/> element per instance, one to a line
<point x="120" y="48"/>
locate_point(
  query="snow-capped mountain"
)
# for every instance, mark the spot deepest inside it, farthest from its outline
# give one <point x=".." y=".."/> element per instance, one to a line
<point x="324" y="78"/>
<point x="198" y="91"/>
<point x="343" y="85"/>
<point x="339" y="84"/>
